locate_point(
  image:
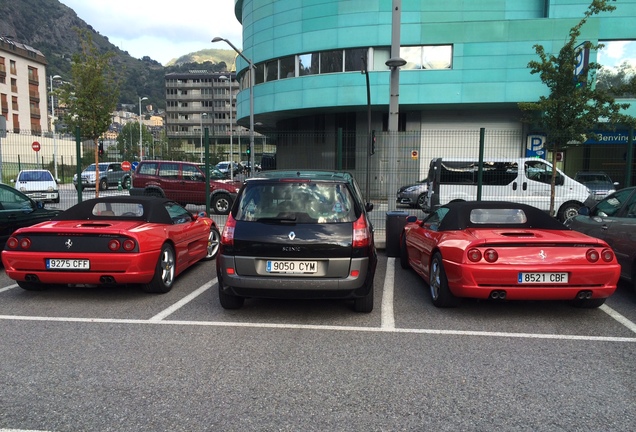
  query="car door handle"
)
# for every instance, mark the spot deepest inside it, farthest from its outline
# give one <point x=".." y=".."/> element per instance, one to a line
<point x="514" y="186"/>
<point x="525" y="186"/>
<point x="604" y="227"/>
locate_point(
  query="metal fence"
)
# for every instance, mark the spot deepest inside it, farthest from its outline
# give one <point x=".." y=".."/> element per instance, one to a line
<point x="399" y="159"/>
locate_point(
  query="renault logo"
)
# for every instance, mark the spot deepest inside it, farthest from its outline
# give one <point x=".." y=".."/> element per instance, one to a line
<point x="292" y="235"/>
<point x="68" y="243"/>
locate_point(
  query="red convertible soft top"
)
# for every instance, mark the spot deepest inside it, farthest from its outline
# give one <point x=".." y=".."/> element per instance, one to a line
<point x="154" y="209"/>
<point x="495" y="214"/>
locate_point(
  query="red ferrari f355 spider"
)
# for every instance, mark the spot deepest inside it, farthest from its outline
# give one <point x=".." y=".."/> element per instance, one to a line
<point x="111" y="241"/>
<point x="504" y="250"/>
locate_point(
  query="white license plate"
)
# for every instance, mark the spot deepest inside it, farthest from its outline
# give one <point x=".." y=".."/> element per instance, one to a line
<point x="67" y="264"/>
<point x="292" y="266"/>
<point x="542" y="278"/>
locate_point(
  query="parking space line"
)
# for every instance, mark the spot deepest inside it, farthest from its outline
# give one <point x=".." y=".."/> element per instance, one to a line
<point x="388" y="316"/>
<point x="324" y="327"/>
<point x="618" y="317"/>
<point x="7" y="288"/>
<point x="187" y="299"/>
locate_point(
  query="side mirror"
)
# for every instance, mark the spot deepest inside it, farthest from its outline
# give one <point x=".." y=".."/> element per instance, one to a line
<point x="584" y="211"/>
<point x="411" y="218"/>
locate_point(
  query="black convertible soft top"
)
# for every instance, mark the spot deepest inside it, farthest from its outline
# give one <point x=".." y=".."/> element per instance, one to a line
<point x="458" y="216"/>
<point x="154" y="209"/>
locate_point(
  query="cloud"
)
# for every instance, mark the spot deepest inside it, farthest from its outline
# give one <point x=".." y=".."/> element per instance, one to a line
<point x="161" y="29"/>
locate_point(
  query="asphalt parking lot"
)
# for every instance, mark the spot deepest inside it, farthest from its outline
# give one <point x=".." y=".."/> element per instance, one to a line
<point x="122" y="360"/>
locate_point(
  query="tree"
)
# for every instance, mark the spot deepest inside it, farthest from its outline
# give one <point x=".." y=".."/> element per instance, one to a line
<point x="91" y="96"/>
<point x="128" y="140"/>
<point x="574" y="107"/>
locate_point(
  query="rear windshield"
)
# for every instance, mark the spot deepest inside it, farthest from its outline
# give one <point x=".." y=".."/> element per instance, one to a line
<point x="300" y="202"/>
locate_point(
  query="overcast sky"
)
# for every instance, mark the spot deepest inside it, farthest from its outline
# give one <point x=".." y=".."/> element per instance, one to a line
<point x="161" y="29"/>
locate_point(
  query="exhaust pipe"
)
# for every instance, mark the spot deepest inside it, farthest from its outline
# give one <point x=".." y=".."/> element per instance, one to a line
<point x="107" y="280"/>
<point x="584" y="295"/>
<point x="31" y="278"/>
<point x="498" y="295"/>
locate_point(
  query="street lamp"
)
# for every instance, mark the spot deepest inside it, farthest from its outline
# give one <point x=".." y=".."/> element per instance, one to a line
<point x="141" y="145"/>
<point x="251" y="77"/>
<point x="394" y="63"/>
<point x="202" y="115"/>
<point x="54" y="77"/>
<point x="224" y="78"/>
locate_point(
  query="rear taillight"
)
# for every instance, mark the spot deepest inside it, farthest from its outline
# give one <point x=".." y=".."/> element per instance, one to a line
<point x="25" y="243"/>
<point x="227" y="237"/>
<point x="128" y="245"/>
<point x="607" y="255"/>
<point x="592" y="255"/>
<point x="12" y="243"/>
<point x="474" y="255"/>
<point x="491" y="255"/>
<point x="361" y="233"/>
<point x="113" y="245"/>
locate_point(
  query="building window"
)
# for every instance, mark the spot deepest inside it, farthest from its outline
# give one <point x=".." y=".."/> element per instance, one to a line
<point x="427" y="57"/>
<point x="12" y="67"/>
<point x="353" y="59"/>
<point x="618" y="65"/>
<point x="330" y="61"/>
<point x="288" y="67"/>
<point x="271" y="71"/>
<point x="308" y="64"/>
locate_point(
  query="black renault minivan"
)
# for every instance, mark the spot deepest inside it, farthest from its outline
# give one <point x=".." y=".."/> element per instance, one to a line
<point x="298" y="234"/>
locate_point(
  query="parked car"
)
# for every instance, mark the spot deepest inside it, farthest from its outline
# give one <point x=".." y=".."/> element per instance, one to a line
<point x="224" y="167"/>
<point x="18" y="210"/>
<point x="503" y="250"/>
<point x="110" y="174"/>
<point x="111" y="241"/>
<point x="298" y="234"/>
<point x="613" y="220"/>
<point x="413" y="195"/>
<point x="39" y="185"/>
<point x="598" y="182"/>
<point x="183" y="182"/>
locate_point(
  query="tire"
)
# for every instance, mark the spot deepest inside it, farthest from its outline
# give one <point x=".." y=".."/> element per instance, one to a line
<point x="214" y="241"/>
<point x="440" y="293"/>
<point x="32" y="286"/>
<point x="228" y="301"/>
<point x="421" y="201"/>
<point x="365" y="304"/>
<point x="588" y="303"/>
<point x="404" y="257"/>
<point x="568" y="210"/>
<point x="221" y="204"/>
<point x="103" y="185"/>
<point x="164" y="272"/>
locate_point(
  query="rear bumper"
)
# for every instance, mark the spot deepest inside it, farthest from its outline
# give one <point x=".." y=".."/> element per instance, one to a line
<point x="355" y="284"/>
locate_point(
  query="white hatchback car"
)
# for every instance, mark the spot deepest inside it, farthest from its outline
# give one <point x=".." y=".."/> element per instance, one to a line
<point x="39" y="185"/>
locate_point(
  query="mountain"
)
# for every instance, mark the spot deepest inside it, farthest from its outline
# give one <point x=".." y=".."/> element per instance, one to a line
<point x="48" y="26"/>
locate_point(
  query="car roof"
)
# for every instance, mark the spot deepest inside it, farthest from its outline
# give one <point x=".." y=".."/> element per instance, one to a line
<point x="458" y="216"/>
<point x="154" y="209"/>
<point x="305" y="174"/>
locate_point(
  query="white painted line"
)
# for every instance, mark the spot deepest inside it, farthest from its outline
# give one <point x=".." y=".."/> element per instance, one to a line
<point x="21" y="430"/>
<point x="187" y="299"/>
<point x="7" y="288"/>
<point x="388" y="317"/>
<point x="618" y="317"/>
<point x="323" y="327"/>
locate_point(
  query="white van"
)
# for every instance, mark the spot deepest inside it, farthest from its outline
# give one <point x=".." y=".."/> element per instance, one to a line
<point x="523" y="180"/>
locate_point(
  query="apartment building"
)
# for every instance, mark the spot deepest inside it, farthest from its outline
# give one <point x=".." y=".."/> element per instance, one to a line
<point x="23" y="87"/>
<point x="197" y="100"/>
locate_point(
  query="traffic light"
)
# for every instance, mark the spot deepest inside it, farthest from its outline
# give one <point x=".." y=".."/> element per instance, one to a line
<point x="101" y="148"/>
<point x="247" y="152"/>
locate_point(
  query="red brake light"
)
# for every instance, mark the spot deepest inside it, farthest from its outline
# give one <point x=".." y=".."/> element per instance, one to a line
<point x="227" y="237"/>
<point x="491" y="255"/>
<point x="474" y="255"/>
<point x="113" y="245"/>
<point x="128" y="245"/>
<point x="361" y="233"/>
<point x="25" y="243"/>
<point x="607" y="255"/>
<point x="12" y="243"/>
<point x="592" y="255"/>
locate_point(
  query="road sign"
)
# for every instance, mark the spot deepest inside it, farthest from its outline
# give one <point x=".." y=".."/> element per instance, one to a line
<point x="35" y="146"/>
<point x="125" y="165"/>
<point x="134" y="165"/>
